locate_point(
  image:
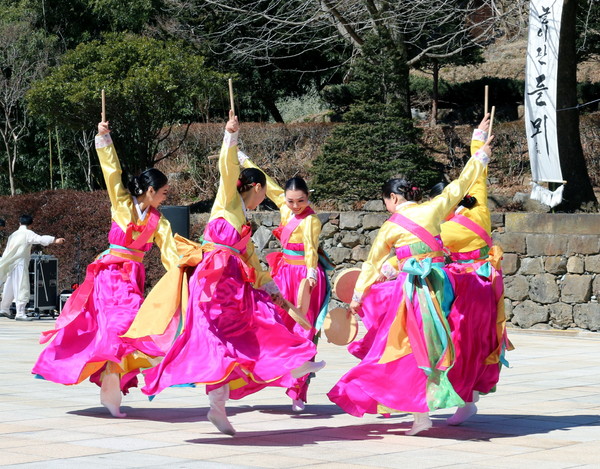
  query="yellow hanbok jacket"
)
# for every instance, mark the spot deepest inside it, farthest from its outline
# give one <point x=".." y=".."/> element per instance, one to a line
<point x="308" y="230"/>
<point x="429" y="215"/>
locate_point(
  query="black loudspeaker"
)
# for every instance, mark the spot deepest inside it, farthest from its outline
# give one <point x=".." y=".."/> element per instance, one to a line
<point x="179" y="217"/>
<point x="43" y="284"/>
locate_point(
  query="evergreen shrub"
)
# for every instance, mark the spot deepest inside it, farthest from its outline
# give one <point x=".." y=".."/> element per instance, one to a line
<point x="365" y="151"/>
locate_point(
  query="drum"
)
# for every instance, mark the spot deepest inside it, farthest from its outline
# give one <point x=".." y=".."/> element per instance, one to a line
<point x="340" y="327"/>
<point x="343" y="287"/>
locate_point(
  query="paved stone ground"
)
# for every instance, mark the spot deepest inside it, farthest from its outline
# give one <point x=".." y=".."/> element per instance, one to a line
<point x="545" y="414"/>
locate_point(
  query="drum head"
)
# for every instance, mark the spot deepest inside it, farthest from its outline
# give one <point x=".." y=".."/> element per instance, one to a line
<point x="339" y="328"/>
<point x="303" y="298"/>
<point x="343" y="287"/>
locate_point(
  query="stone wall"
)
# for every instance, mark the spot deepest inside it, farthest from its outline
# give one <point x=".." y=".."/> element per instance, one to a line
<point x="552" y="269"/>
<point x="551" y="262"/>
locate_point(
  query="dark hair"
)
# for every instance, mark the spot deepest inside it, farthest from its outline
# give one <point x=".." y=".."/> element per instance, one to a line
<point x="296" y="184"/>
<point x="403" y="187"/>
<point x="25" y="220"/>
<point x="2" y="222"/>
<point x="437" y="189"/>
<point x="468" y="201"/>
<point x="249" y="177"/>
<point x="152" y="177"/>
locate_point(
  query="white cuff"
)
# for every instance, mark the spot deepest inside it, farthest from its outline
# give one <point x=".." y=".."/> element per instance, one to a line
<point x="230" y="139"/>
<point x="357" y="297"/>
<point x="242" y="157"/>
<point x="389" y="271"/>
<point x="271" y="288"/>
<point x="311" y="273"/>
<point x="480" y="135"/>
<point x="103" y="140"/>
<point x="482" y="157"/>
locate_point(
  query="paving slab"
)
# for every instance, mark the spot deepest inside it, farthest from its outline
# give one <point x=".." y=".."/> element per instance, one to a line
<point x="545" y="413"/>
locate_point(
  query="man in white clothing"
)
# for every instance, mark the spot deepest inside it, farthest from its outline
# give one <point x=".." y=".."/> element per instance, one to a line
<point x="14" y="267"/>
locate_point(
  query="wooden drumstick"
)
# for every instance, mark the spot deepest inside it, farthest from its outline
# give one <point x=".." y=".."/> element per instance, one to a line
<point x="492" y="119"/>
<point x="231" y="103"/>
<point x="485" y="101"/>
<point x="103" y="106"/>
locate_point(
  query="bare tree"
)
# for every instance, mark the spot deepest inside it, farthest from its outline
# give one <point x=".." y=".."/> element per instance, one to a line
<point x="263" y="31"/>
<point x="84" y="153"/>
<point x="24" y="57"/>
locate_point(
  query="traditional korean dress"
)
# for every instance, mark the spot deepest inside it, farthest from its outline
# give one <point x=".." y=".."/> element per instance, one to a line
<point x="477" y="319"/>
<point x="407" y="351"/>
<point x="87" y="333"/>
<point x="298" y="259"/>
<point x="229" y="330"/>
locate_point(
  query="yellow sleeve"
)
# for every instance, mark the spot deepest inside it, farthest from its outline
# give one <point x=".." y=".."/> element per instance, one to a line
<point x="478" y="140"/>
<point x="274" y="191"/>
<point x="311" y="229"/>
<point x="228" y="204"/>
<point x="120" y="198"/>
<point x="479" y="190"/>
<point x="380" y="251"/>
<point x="163" y="237"/>
<point x="457" y="189"/>
<point x="262" y="276"/>
<point x="456" y="237"/>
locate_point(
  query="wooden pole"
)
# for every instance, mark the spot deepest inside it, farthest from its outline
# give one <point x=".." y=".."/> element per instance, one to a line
<point x="492" y="119"/>
<point x="103" y="106"/>
<point x="231" y="103"/>
<point x="485" y="100"/>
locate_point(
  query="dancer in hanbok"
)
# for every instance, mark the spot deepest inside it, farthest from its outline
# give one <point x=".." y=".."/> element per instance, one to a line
<point x="87" y="342"/>
<point x="407" y="350"/>
<point x="231" y="339"/>
<point x="477" y="318"/>
<point x="299" y="259"/>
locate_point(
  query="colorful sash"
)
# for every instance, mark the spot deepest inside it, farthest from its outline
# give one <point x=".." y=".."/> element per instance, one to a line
<point x="474" y="227"/>
<point x="214" y="268"/>
<point x="417" y="230"/>
<point x="114" y="255"/>
<point x="431" y="345"/>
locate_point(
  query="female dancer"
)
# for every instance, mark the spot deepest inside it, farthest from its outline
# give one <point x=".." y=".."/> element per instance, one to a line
<point x="232" y="340"/>
<point x="298" y="233"/>
<point x="477" y="317"/>
<point x="87" y="340"/>
<point x="407" y="350"/>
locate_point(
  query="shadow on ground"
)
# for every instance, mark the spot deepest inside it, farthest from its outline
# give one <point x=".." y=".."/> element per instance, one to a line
<point x="198" y="414"/>
<point x="481" y="428"/>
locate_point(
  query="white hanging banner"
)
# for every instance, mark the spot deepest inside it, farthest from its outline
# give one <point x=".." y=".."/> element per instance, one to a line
<point x="540" y="89"/>
<point x="546" y="196"/>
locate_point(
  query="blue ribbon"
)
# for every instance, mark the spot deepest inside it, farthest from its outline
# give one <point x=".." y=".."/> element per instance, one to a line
<point x="415" y="268"/>
<point x="117" y="246"/>
<point x="231" y="248"/>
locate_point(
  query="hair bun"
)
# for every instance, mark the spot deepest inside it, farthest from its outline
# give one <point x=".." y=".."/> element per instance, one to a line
<point x="137" y="185"/>
<point x="468" y="201"/>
